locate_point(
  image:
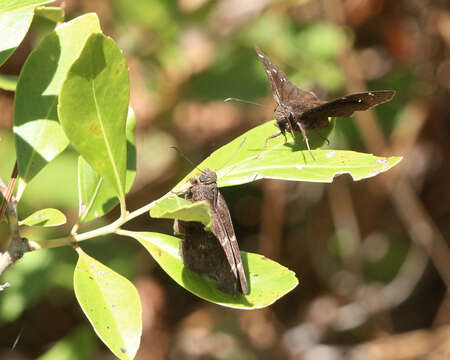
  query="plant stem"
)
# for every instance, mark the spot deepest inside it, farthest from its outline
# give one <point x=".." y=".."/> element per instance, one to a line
<point x="63" y="241"/>
<point x="17" y="246"/>
<point x="104" y="230"/>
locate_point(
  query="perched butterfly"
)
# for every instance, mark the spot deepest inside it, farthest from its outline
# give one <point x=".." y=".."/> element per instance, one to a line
<point x="216" y="253"/>
<point x="302" y="110"/>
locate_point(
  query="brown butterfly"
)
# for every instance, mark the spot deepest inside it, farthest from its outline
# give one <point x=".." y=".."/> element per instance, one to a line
<point x="214" y="253"/>
<point x="302" y="110"/>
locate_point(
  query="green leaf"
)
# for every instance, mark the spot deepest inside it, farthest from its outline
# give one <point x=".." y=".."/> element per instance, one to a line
<point x="93" y="106"/>
<point x="39" y="137"/>
<point x="111" y="304"/>
<point x="10" y="5"/>
<point x="45" y="217"/>
<point x="239" y="164"/>
<point x="8" y="82"/>
<point x="13" y="27"/>
<point x="97" y="197"/>
<point x="51" y="13"/>
<point x="268" y="280"/>
<point x="78" y="345"/>
<point x="175" y="207"/>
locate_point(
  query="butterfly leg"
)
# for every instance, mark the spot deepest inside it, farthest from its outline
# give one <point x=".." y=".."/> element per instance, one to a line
<point x="303" y="131"/>
<point x="267" y="141"/>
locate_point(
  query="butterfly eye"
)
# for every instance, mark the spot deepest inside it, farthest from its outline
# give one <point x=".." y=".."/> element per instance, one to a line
<point x="202" y="178"/>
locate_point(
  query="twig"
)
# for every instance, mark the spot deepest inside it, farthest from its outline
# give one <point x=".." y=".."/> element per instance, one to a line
<point x="73" y="239"/>
<point x="8" y="192"/>
<point x="17" y="246"/>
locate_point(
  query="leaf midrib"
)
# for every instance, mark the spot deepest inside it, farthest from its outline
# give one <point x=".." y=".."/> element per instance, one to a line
<point x="105" y="139"/>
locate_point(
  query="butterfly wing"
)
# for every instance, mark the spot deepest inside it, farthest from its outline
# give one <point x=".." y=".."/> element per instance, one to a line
<point x="201" y="252"/>
<point x="229" y="243"/>
<point x="282" y="89"/>
<point x="347" y="105"/>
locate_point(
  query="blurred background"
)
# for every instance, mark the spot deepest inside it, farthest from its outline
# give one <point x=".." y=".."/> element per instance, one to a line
<point x="372" y="257"/>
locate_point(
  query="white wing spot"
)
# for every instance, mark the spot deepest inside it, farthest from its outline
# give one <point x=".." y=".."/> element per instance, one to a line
<point x="359" y="100"/>
<point x="331" y="154"/>
<point x="371" y="94"/>
<point x="274" y="71"/>
<point x="261" y="56"/>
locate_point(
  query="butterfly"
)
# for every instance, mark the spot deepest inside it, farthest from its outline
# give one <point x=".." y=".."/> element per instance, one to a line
<point x="214" y="253"/>
<point x="302" y="110"/>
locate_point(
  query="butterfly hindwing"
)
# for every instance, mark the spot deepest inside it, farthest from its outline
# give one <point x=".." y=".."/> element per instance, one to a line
<point x="347" y="105"/>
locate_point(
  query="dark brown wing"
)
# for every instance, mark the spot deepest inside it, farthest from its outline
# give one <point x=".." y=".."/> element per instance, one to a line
<point x="345" y="106"/>
<point x="282" y="89"/>
<point x="229" y="242"/>
<point x="202" y="253"/>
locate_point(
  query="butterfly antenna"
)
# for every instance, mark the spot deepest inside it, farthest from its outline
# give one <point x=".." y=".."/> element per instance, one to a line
<point x="243" y="101"/>
<point x="185" y="157"/>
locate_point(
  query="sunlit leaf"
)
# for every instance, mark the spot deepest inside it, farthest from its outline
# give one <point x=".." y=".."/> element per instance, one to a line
<point x="175" y="207"/>
<point x="93" y="106"/>
<point x="51" y="13"/>
<point x="45" y="217"/>
<point x="268" y="281"/>
<point x="111" y="303"/>
<point x="13" y="27"/>
<point x="241" y="161"/>
<point x="10" y="5"/>
<point x="39" y="137"/>
<point x="97" y="197"/>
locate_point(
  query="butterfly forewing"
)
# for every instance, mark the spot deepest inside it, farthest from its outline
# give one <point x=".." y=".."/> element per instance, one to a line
<point x="282" y="89"/>
<point x="230" y="244"/>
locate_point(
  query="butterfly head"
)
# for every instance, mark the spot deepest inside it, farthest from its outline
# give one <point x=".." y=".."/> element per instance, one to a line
<point x="207" y="177"/>
<point x="284" y="117"/>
